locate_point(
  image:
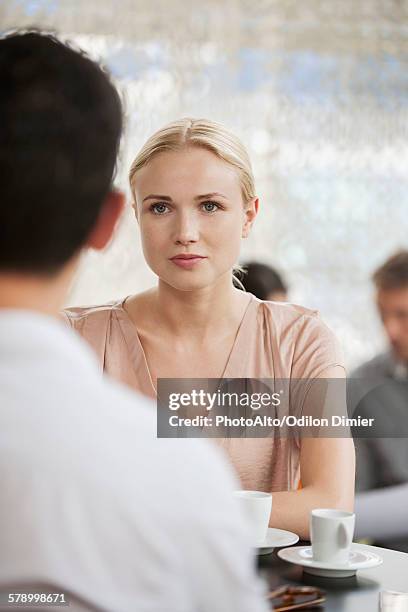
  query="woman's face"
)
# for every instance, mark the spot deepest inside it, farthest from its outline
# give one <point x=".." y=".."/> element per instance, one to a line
<point x="191" y="215"/>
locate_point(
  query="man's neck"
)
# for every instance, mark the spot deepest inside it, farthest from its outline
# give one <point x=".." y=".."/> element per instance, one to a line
<point x="43" y="294"/>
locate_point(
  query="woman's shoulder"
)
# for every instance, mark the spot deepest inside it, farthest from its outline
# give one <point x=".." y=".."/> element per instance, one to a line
<point x="97" y="325"/>
<point x="96" y="316"/>
<point x="306" y="321"/>
<point x="313" y="342"/>
<point x="287" y="314"/>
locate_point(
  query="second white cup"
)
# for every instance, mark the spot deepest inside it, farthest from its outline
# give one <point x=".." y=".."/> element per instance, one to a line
<point x="257" y="506"/>
<point x="331" y="533"/>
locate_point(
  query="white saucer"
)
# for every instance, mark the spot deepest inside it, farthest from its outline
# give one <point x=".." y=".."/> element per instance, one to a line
<point x="359" y="558"/>
<point x="276" y="538"/>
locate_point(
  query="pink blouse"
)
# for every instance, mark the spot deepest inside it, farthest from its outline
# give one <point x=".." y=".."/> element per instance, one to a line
<point x="274" y="340"/>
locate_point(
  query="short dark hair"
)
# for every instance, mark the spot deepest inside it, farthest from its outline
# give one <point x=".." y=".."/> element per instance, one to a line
<point x="262" y="280"/>
<point x="61" y="123"/>
<point x="393" y="274"/>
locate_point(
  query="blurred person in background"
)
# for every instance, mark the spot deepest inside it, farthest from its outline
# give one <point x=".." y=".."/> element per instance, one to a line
<point x="382" y="462"/>
<point x="93" y="506"/>
<point x="195" y="201"/>
<point x="264" y="282"/>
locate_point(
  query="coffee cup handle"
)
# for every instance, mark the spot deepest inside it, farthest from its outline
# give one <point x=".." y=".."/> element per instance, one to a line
<point x="344" y="538"/>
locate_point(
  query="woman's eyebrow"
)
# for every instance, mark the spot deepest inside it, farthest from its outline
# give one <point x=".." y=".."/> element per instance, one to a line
<point x="152" y="196"/>
<point x="215" y="194"/>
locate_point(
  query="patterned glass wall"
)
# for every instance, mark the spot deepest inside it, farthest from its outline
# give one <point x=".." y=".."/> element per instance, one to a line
<point x="317" y="90"/>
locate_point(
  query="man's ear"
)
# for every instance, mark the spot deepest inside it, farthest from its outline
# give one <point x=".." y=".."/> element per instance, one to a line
<point x="134" y="206"/>
<point x="109" y="215"/>
<point x="249" y="216"/>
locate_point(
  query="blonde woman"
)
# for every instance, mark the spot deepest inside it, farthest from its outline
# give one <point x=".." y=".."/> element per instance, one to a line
<point x="195" y="201"/>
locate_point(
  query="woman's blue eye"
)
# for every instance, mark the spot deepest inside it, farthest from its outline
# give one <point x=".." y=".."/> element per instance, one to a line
<point x="210" y="206"/>
<point x="158" y="209"/>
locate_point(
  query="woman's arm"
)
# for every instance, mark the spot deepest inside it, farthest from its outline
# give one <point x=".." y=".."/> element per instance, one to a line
<point x="327" y="471"/>
<point x="327" y="475"/>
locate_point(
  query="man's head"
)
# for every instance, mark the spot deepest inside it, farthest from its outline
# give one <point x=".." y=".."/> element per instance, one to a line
<point x="61" y="122"/>
<point x="391" y="281"/>
<point x="264" y="282"/>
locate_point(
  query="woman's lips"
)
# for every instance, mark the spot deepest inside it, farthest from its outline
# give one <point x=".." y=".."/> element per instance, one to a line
<point x="187" y="261"/>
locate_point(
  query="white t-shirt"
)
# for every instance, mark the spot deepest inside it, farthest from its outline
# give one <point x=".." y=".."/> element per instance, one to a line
<point x="94" y="503"/>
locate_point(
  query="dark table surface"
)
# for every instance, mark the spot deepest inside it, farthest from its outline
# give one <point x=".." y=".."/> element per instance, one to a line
<point x="357" y="594"/>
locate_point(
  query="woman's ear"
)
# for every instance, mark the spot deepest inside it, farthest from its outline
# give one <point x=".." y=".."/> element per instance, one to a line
<point x="250" y="213"/>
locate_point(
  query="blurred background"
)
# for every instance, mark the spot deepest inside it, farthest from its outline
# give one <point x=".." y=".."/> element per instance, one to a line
<point x="318" y="92"/>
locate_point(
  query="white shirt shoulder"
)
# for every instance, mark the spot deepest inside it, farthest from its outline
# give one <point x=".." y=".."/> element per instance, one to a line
<point x="123" y="519"/>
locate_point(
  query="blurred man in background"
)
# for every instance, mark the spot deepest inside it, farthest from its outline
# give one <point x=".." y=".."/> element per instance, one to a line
<point x="94" y="508"/>
<point x="264" y="282"/>
<point x="391" y="281"/>
<point x="382" y="462"/>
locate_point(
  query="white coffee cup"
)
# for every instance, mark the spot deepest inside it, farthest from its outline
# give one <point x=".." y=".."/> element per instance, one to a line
<point x="331" y="533"/>
<point x="393" y="601"/>
<point x="257" y="506"/>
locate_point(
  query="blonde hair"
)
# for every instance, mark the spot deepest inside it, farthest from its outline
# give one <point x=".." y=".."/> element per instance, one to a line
<point x="198" y="133"/>
<point x="208" y="135"/>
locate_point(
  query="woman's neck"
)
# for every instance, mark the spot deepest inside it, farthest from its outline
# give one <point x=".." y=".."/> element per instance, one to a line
<point x="200" y="313"/>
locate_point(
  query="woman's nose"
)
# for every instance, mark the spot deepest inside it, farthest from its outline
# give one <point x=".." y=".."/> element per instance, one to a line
<point x="186" y="230"/>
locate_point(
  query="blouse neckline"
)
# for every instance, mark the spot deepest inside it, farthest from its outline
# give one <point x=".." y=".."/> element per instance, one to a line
<point x="233" y="368"/>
